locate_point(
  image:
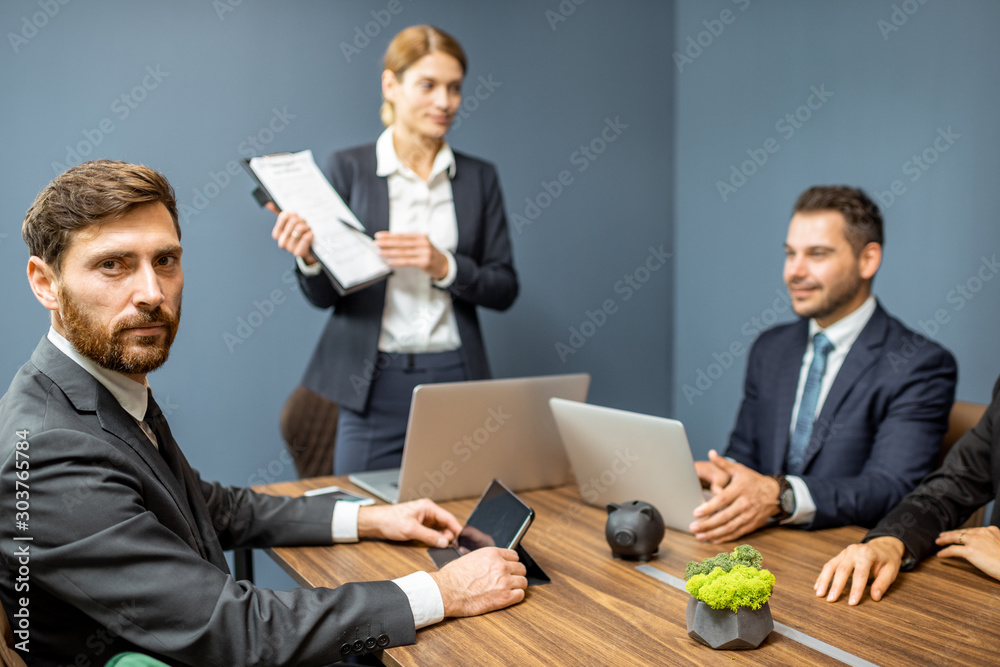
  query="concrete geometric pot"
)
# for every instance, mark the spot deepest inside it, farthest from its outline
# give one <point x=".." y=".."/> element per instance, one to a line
<point x="724" y="629"/>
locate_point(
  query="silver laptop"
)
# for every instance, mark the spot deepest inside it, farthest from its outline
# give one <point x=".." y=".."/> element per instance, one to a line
<point x="619" y="456"/>
<point x="461" y="435"/>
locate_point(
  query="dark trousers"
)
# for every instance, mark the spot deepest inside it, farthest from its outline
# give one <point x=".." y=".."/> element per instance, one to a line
<point x="374" y="440"/>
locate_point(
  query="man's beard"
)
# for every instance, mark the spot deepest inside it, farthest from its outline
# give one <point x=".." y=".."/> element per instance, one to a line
<point x="838" y="295"/>
<point x="118" y="350"/>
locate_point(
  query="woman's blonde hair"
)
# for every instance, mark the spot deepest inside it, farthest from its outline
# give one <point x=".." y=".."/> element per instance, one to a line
<point x="409" y="46"/>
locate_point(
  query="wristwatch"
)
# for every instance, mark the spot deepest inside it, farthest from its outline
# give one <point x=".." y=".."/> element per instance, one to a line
<point x="786" y="498"/>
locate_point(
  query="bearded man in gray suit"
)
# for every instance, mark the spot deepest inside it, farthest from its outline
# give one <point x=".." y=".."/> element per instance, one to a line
<point x="135" y="561"/>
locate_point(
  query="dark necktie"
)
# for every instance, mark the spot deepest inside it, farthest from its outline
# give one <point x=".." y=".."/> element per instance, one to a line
<point x="164" y="440"/>
<point x="205" y="539"/>
<point x="807" y="407"/>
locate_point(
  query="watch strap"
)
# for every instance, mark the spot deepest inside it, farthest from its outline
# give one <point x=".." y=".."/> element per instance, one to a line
<point x="784" y="487"/>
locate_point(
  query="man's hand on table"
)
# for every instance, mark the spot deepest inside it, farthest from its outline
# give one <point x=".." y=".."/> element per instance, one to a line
<point x="421" y="520"/>
<point x="743" y="505"/>
<point x="880" y="558"/>
<point x="481" y="581"/>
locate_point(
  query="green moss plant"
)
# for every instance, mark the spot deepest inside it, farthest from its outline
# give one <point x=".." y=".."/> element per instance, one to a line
<point x="730" y="581"/>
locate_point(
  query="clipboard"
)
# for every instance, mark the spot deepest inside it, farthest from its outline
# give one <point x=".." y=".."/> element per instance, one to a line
<point x="349" y="256"/>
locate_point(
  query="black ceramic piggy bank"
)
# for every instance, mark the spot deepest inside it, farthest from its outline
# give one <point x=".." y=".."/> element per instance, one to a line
<point x="634" y="530"/>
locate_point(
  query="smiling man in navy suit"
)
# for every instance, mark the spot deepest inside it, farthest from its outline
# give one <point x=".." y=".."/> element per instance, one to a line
<point x="844" y="410"/>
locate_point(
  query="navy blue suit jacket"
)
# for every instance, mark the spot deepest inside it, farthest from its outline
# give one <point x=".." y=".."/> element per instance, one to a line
<point x="343" y="364"/>
<point x="879" y="431"/>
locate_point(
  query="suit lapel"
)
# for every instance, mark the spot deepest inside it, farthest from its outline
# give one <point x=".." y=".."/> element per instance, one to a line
<point x="863" y="355"/>
<point x="115" y="421"/>
<point x="465" y="201"/>
<point x="190" y="485"/>
<point x="89" y="396"/>
<point x="787" y="386"/>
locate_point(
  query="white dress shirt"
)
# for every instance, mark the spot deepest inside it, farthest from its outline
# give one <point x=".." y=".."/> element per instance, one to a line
<point x="842" y="334"/>
<point x="420" y="589"/>
<point x="418" y="315"/>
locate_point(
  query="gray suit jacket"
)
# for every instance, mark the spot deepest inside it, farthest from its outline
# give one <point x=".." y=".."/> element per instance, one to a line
<point x="124" y="556"/>
<point x="343" y="365"/>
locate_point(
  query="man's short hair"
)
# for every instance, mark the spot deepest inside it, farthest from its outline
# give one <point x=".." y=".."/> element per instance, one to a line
<point x="864" y="220"/>
<point x="89" y="194"/>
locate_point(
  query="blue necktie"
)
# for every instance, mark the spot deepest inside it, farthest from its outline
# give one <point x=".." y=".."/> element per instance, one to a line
<point x="807" y="407"/>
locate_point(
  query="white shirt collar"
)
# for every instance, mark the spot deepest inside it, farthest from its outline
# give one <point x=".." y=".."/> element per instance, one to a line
<point x="131" y="395"/>
<point x="387" y="162"/>
<point x="846" y="330"/>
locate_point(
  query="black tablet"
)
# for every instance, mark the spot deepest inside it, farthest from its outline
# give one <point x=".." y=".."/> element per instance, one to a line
<point x="500" y="519"/>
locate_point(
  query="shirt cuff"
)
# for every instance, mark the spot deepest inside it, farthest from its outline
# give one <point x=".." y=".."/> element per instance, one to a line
<point x="424" y="596"/>
<point x="344" y="525"/>
<point x="449" y="277"/>
<point x="307" y="270"/>
<point x="805" y="506"/>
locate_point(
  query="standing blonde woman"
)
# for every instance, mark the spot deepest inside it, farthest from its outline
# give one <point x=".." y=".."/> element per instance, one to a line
<point x="438" y="218"/>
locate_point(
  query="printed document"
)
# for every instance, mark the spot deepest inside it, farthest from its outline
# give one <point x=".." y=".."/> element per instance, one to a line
<point x="295" y="183"/>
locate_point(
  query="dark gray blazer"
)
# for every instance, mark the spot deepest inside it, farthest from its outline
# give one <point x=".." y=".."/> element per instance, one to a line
<point x="968" y="478"/>
<point x="879" y="431"/>
<point x="343" y="364"/>
<point x="124" y="558"/>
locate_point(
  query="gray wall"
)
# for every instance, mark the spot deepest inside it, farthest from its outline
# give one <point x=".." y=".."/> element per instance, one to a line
<point x="220" y="78"/>
<point x="893" y="91"/>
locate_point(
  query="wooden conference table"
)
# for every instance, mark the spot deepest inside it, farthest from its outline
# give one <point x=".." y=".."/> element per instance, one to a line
<point x="601" y="611"/>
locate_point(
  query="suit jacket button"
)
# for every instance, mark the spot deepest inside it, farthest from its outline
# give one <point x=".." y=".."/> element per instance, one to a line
<point x="370" y="643"/>
<point x="359" y="646"/>
<point x="383" y="640"/>
<point x="345" y="649"/>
